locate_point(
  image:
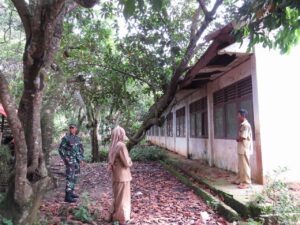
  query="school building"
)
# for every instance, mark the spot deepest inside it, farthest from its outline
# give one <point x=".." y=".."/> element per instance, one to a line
<point x="202" y="124"/>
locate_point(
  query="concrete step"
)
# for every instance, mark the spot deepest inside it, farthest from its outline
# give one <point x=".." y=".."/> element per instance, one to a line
<point x="243" y="209"/>
<point x="223" y="209"/>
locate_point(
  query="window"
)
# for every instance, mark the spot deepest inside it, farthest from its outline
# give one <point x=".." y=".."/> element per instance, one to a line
<point x="170" y="125"/>
<point x="162" y="130"/>
<point x="198" y="118"/>
<point x="227" y="102"/>
<point x="156" y="130"/>
<point x="180" y="122"/>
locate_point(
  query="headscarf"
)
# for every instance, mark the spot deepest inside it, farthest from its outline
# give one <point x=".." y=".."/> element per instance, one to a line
<point x="118" y="134"/>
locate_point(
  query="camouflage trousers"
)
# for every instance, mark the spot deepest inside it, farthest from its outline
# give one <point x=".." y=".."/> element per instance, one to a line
<point x="72" y="171"/>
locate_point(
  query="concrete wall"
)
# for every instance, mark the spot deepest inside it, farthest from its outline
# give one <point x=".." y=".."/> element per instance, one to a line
<point x="224" y="151"/>
<point x="278" y="80"/>
<point x="276" y="93"/>
<point x="219" y="152"/>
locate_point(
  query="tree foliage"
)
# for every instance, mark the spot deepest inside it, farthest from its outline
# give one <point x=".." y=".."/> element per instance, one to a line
<point x="275" y="24"/>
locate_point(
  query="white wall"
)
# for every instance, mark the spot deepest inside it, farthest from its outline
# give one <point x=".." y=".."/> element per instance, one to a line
<point x="225" y="151"/>
<point x="278" y="81"/>
<point x="219" y="152"/>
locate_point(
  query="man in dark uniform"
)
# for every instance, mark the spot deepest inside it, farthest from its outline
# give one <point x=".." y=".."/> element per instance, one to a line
<point x="71" y="152"/>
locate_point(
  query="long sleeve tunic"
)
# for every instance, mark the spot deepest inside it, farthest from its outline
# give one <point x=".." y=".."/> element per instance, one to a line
<point x="122" y="163"/>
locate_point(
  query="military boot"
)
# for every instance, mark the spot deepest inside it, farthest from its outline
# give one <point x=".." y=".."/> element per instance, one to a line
<point x="69" y="197"/>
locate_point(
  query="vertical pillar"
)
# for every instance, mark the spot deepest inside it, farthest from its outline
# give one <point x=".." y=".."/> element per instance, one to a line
<point x="187" y="127"/>
<point x="210" y="121"/>
<point x="258" y="153"/>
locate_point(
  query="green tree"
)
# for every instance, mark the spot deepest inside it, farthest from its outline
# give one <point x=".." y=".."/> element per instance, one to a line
<point x="275" y="24"/>
<point x="42" y="22"/>
<point x="169" y="40"/>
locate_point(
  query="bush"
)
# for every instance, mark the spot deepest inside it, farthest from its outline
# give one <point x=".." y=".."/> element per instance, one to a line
<point x="82" y="213"/>
<point x="4" y="221"/>
<point x="103" y="154"/>
<point x="276" y="200"/>
<point x="147" y="153"/>
<point x="87" y="151"/>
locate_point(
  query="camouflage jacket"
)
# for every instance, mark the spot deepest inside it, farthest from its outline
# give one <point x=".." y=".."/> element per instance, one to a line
<point x="71" y="149"/>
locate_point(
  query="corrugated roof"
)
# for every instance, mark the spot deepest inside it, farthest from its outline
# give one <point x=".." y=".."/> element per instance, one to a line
<point x="221" y="56"/>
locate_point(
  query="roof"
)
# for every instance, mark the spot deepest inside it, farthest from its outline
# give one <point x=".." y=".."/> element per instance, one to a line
<point x="223" y="54"/>
<point x="2" y="111"/>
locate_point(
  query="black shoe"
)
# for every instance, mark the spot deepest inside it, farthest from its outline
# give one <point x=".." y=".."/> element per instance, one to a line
<point x="73" y="195"/>
<point x="69" y="198"/>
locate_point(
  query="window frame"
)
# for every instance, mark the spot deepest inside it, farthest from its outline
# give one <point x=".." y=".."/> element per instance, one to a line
<point x="199" y="107"/>
<point x="180" y="122"/>
<point x="170" y="124"/>
<point x="224" y="100"/>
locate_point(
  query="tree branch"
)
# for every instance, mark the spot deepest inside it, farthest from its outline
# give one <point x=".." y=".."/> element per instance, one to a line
<point x="121" y="72"/>
<point x="194" y="22"/>
<point x="216" y="6"/>
<point x="204" y="9"/>
<point x="71" y="6"/>
<point x="190" y="51"/>
<point x="86" y="3"/>
<point x="24" y="13"/>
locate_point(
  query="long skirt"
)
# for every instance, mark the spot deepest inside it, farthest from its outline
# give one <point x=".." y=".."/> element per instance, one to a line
<point x="122" y="201"/>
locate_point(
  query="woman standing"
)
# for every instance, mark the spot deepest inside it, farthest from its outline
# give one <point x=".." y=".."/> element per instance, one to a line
<point x="119" y="163"/>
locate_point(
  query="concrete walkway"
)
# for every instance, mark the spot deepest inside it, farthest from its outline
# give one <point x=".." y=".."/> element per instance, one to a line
<point x="217" y="182"/>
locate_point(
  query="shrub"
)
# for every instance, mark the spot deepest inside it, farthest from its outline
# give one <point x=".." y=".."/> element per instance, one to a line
<point x="4" y="221"/>
<point x="276" y="200"/>
<point x="103" y="154"/>
<point x="82" y="213"/>
<point x="147" y="153"/>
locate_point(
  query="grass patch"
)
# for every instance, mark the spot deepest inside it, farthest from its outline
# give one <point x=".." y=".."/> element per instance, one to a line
<point x="147" y="153"/>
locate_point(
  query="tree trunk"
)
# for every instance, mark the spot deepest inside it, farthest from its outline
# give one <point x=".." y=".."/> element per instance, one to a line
<point x="21" y="202"/>
<point x="48" y="111"/>
<point x="42" y="22"/>
<point x="32" y="181"/>
<point x="95" y="143"/>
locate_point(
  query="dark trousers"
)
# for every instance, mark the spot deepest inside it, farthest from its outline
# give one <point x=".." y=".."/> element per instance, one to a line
<point x="71" y="176"/>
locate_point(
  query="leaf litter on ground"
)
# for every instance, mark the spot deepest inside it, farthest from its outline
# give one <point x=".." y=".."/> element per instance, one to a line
<point x="157" y="198"/>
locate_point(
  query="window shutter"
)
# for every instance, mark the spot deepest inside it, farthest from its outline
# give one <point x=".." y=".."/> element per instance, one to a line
<point x="219" y="97"/>
<point x="230" y="93"/>
<point x="244" y="87"/>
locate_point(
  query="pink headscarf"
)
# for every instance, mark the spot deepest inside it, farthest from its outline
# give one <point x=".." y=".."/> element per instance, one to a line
<point x="118" y="134"/>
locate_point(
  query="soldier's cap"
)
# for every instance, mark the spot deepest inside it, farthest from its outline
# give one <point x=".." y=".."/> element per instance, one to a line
<point x="72" y="125"/>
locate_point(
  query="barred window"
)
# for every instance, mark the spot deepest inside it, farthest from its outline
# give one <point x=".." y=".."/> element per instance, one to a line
<point x="170" y="125"/>
<point x="180" y="122"/>
<point x="162" y="129"/>
<point x="198" y="118"/>
<point x="227" y="102"/>
<point x="156" y="130"/>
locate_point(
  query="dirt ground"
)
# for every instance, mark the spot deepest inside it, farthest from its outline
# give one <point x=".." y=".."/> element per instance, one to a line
<point x="157" y="198"/>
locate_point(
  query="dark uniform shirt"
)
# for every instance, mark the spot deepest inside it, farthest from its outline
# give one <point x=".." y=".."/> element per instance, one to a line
<point x="71" y="149"/>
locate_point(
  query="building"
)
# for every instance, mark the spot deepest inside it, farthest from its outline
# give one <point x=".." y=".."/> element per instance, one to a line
<point x="203" y="123"/>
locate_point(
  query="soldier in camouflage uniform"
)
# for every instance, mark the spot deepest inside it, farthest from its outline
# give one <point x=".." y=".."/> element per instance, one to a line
<point x="71" y="152"/>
